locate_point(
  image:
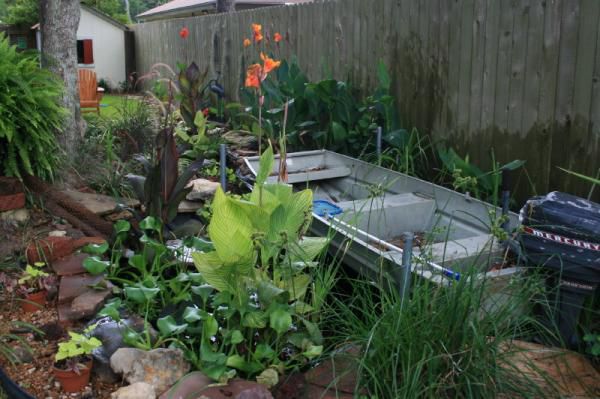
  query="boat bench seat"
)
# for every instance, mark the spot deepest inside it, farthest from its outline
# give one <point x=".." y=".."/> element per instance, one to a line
<point x="305" y="176"/>
<point x="465" y="251"/>
<point x="389" y="216"/>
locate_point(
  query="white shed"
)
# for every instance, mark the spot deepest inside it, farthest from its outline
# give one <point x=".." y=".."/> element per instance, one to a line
<point x="101" y="46"/>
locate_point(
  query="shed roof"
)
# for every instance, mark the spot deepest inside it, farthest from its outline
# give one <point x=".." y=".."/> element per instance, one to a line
<point x="181" y="5"/>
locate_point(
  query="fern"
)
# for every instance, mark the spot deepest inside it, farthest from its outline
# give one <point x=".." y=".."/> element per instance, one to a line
<point x="30" y="115"/>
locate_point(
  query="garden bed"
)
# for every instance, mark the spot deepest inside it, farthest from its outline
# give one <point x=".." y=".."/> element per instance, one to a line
<point x="35" y="377"/>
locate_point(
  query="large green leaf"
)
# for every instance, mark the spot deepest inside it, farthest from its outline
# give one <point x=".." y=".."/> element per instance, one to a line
<point x="95" y="249"/>
<point x="141" y="294"/>
<point x="296" y="286"/>
<point x="308" y="249"/>
<point x="255" y="319"/>
<point x="265" y="166"/>
<point x="229" y="220"/>
<point x="280" y="320"/>
<point x="269" y="292"/>
<point x="94" y="265"/>
<point x="168" y="326"/>
<point x="211" y="267"/>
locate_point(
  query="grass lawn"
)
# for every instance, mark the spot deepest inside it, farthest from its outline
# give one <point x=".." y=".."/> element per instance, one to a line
<point x="109" y="106"/>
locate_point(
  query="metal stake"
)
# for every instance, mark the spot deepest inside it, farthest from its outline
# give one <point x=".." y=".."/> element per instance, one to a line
<point x="405" y="274"/>
<point x="223" y="165"/>
<point x="378" y="144"/>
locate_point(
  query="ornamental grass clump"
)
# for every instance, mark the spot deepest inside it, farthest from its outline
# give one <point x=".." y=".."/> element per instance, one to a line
<point x="446" y="342"/>
<point x="30" y="115"/>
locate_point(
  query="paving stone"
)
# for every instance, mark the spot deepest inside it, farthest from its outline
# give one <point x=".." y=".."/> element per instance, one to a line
<point x="73" y="286"/>
<point x="70" y="265"/>
<point x="52" y="248"/>
<point x="98" y="203"/>
<point x="65" y="315"/>
<point x="89" y="303"/>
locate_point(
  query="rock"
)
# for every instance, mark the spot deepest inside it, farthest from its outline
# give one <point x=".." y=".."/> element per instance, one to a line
<point x="189" y="206"/>
<point x="559" y="372"/>
<point x="138" y="390"/>
<point x="340" y="372"/>
<point x="89" y="303"/>
<point x="202" y="189"/>
<point x="187" y="386"/>
<point x="57" y="233"/>
<point x="241" y="140"/>
<point x="72" y="286"/>
<point x="98" y="203"/>
<point x="110" y="333"/>
<point x="15" y="216"/>
<point x="160" y="368"/>
<point x="237" y="389"/>
<point x="22" y="355"/>
<point x="70" y="265"/>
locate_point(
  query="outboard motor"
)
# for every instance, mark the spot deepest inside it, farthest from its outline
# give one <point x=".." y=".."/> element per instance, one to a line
<point x="561" y="232"/>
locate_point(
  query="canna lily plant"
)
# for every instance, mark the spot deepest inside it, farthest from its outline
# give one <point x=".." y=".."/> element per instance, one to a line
<point x="260" y="267"/>
<point x="257" y="73"/>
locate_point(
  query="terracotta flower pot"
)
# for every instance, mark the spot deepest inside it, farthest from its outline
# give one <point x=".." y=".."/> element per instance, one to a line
<point x="70" y="380"/>
<point x="37" y="297"/>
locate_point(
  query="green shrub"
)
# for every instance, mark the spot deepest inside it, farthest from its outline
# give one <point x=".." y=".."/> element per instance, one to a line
<point x="325" y="114"/>
<point x="30" y="115"/>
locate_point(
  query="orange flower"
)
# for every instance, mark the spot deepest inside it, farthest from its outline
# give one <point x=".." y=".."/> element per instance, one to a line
<point x="277" y="37"/>
<point x="247" y="42"/>
<point x="270" y="64"/>
<point x="257" y="29"/>
<point x="253" y="76"/>
<point x="184" y="33"/>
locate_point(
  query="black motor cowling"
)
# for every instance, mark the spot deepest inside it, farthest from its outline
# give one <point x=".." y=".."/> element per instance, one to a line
<point x="561" y="233"/>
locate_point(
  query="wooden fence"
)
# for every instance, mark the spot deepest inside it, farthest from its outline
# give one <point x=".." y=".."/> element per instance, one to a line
<point x="521" y="77"/>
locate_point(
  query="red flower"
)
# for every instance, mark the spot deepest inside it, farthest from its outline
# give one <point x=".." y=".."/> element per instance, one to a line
<point x="257" y="30"/>
<point x="184" y="33"/>
<point x="277" y="37"/>
<point x="253" y="76"/>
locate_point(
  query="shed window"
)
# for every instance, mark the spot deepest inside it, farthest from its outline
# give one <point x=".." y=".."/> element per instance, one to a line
<point x="21" y="42"/>
<point x="85" y="52"/>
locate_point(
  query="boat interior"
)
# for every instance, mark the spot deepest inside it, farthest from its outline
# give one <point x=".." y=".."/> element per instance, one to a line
<point x="375" y="206"/>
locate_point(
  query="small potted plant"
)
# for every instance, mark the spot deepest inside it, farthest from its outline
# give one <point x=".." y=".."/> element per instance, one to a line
<point x="33" y="286"/>
<point x="73" y="361"/>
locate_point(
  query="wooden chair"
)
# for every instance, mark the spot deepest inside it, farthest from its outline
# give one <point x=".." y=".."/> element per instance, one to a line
<point x="89" y="94"/>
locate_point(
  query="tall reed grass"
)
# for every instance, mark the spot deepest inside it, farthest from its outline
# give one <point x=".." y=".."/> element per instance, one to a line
<point x="445" y="342"/>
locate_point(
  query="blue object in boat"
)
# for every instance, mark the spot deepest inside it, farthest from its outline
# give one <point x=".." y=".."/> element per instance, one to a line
<point x="326" y="208"/>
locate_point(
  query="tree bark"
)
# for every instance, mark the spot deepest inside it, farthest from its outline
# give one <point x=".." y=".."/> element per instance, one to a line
<point x="59" y="23"/>
<point x="225" y="5"/>
<point x="128" y="10"/>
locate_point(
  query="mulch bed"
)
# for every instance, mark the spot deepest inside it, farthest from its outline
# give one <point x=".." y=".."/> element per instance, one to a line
<point x="36" y="377"/>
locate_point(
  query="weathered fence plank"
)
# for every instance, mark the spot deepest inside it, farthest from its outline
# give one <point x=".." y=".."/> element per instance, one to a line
<point x="521" y="76"/>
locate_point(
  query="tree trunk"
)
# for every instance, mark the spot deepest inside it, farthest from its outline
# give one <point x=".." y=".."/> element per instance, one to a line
<point x="225" y="5"/>
<point x="128" y="10"/>
<point x="59" y="23"/>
